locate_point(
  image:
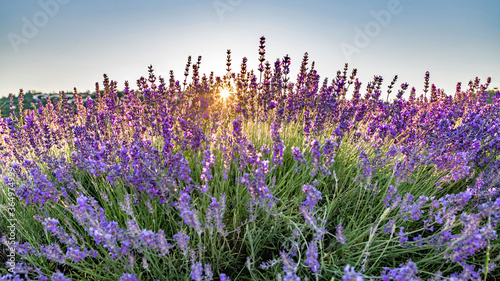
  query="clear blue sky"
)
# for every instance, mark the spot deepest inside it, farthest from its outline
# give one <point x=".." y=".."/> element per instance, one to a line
<point x="74" y="42"/>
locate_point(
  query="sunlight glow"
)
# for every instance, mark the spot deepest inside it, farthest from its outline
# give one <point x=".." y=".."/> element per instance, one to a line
<point x="224" y="93"/>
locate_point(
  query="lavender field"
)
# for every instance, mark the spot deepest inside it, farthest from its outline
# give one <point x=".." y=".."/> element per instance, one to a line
<point x="255" y="175"/>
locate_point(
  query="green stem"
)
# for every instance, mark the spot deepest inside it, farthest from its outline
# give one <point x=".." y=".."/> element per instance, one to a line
<point x="487" y="256"/>
<point x="372" y="233"/>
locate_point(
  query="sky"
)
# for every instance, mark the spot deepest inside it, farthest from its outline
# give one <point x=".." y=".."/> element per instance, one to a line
<point x="55" y="45"/>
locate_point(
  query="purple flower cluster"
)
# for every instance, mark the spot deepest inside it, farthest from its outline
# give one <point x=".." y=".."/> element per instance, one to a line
<point x="407" y="271"/>
<point x="128" y="277"/>
<point x="208" y="161"/>
<point x="313" y="196"/>
<point x="307" y="210"/>
<point x="312" y="257"/>
<point x="215" y="214"/>
<point x="351" y="275"/>
<point x="190" y="216"/>
<point x="278" y="144"/>
<point x="289" y="267"/>
<point x="315" y="157"/>
<point x="199" y="273"/>
<point x="299" y="158"/>
<point x="256" y="184"/>
<point x="340" y="234"/>
<point x="116" y="240"/>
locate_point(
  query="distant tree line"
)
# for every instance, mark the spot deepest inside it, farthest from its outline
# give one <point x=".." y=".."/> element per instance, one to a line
<point x="30" y="100"/>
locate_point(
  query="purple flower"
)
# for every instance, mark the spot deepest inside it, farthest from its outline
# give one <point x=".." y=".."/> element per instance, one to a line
<point x="315" y="156"/>
<point x="289" y="276"/>
<point x="278" y="144"/>
<point x="312" y="196"/>
<point x="53" y="253"/>
<point x="473" y="238"/>
<point x="365" y="165"/>
<point x="182" y="242"/>
<point x="340" y="234"/>
<point x="128" y="277"/>
<point x="351" y="275"/>
<point x="269" y="264"/>
<point x="59" y="277"/>
<point x="289" y="267"/>
<point x="208" y="161"/>
<point x="190" y="216"/>
<point x="468" y="273"/>
<point x="237" y="130"/>
<point x="208" y="272"/>
<point x="299" y="157"/>
<point x="161" y="245"/>
<point x="391" y="192"/>
<point x="147" y="237"/>
<point x="407" y="271"/>
<point x="51" y="225"/>
<point x="329" y="149"/>
<point x="179" y="166"/>
<point x="197" y="271"/>
<point x="312" y="257"/>
<point x="312" y="222"/>
<point x="10" y="277"/>
<point x="92" y="218"/>
<point x="76" y="254"/>
<point x="257" y="186"/>
<point x="390" y="226"/>
<point x="403" y="237"/>
<point x="38" y="188"/>
<point x="215" y="212"/>
<point x="265" y="149"/>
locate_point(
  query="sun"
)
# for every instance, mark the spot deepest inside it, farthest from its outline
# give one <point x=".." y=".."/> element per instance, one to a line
<point x="224" y="93"/>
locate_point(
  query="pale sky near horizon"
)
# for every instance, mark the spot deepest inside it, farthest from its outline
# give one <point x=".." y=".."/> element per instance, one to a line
<point x="53" y="45"/>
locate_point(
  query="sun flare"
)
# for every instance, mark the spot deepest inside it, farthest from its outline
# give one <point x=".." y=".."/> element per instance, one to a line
<point x="224" y="93"/>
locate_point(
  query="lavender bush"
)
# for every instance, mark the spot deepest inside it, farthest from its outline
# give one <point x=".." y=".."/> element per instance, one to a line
<point x="280" y="180"/>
